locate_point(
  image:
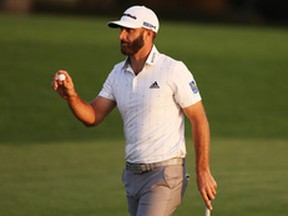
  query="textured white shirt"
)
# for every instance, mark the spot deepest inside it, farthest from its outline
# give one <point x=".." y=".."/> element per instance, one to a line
<point x="150" y="105"/>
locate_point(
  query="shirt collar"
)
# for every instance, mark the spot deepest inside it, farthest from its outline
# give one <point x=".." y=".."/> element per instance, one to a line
<point x="152" y="57"/>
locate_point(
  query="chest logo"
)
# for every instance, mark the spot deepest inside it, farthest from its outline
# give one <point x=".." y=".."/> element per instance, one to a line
<point x="154" y="85"/>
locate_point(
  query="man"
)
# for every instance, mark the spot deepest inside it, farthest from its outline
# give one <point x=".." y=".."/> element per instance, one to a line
<point x="152" y="92"/>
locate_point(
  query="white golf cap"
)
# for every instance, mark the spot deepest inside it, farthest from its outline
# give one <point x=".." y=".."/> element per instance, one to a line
<point x="137" y="17"/>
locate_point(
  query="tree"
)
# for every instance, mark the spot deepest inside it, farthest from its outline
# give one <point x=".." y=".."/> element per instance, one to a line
<point x="17" y="6"/>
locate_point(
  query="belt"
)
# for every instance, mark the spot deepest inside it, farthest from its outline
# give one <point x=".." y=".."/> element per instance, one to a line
<point x="139" y="168"/>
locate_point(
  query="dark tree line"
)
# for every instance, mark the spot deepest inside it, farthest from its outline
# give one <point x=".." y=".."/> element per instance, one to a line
<point x="210" y="10"/>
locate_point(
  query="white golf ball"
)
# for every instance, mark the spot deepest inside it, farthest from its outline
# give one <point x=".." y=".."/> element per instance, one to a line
<point x="61" y="77"/>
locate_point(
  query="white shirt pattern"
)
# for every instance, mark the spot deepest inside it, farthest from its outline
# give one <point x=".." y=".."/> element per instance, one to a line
<point x="150" y="105"/>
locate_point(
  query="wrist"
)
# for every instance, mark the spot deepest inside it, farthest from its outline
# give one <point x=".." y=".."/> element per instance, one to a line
<point x="201" y="170"/>
<point x="71" y="97"/>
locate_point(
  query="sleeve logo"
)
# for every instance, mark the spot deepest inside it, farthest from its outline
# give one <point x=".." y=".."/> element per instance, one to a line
<point x="194" y="87"/>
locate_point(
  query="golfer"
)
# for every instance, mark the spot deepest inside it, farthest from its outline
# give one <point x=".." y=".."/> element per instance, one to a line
<point x="153" y="93"/>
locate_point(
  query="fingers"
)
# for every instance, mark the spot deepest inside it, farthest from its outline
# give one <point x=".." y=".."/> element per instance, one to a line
<point x="211" y="191"/>
<point x="208" y="191"/>
<point x="65" y="88"/>
<point x="65" y="73"/>
<point x="56" y="82"/>
<point x="207" y="200"/>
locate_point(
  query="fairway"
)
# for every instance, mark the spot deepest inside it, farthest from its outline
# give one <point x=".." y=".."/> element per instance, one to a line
<point x="51" y="165"/>
<point x="85" y="179"/>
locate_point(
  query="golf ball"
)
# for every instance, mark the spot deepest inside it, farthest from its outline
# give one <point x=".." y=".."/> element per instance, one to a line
<point x="61" y="77"/>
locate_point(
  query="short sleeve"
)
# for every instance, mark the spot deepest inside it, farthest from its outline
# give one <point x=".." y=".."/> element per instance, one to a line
<point x="186" y="92"/>
<point x="107" y="91"/>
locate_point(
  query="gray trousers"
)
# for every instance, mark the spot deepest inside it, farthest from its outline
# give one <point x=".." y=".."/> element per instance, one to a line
<point x="157" y="192"/>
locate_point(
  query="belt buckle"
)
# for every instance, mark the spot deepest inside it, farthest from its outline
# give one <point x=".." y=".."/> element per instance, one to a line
<point x="141" y="168"/>
<point x="138" y="168"/>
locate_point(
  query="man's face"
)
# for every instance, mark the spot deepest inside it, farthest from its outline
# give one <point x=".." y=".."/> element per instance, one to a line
<point x="131" y="40"/>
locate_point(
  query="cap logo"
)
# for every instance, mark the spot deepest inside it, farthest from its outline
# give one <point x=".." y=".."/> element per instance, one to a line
<point x="149" y="25"/>
<point x="129" y="15"/>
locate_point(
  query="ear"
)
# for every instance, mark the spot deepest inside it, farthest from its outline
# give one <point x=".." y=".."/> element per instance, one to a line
<point x="150" y="35"/>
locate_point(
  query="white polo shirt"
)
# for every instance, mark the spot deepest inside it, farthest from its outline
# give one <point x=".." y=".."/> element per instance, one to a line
<point x="150" y="105"/>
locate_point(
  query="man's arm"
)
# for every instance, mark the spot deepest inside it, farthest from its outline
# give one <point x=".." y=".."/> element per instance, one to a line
<point x="90" y="114"/>
<point x="201" y="136"/>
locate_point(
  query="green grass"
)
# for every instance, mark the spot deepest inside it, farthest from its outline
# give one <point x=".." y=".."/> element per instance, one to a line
<point x="84" y="178"/>
<point x="241" y="72"/>
<point x="52" y="165"/>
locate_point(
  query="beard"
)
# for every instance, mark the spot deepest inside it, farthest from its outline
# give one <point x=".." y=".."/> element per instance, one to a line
<point x="131" y="48"/>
